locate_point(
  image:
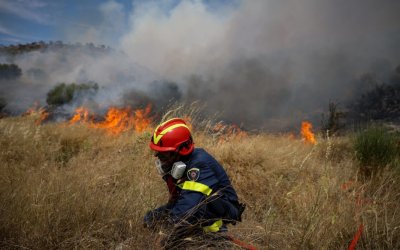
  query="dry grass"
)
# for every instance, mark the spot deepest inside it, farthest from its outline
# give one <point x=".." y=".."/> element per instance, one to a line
<point x="74" y="187"/>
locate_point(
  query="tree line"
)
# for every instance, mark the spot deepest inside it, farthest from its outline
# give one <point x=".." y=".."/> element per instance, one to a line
<point x="16" y="49"/>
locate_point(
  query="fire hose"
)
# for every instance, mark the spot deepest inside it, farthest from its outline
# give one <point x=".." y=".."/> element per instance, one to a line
<point x="240" y="243"/>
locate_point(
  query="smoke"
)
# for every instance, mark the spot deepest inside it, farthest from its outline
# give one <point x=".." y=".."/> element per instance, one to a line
<point x="268" y="63"/>
<point x="263" y="64"/>
<point x="42" y="71"/>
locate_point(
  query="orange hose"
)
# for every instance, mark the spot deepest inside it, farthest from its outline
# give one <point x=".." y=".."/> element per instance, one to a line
<point x="356" y="237"/>
<point x="242" y="244"/>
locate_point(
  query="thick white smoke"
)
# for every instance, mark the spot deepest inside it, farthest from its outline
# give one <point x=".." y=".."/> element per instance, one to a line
<point x="267" y="61"/>
<point x="188" y="39"/>
<point x="114" y="72"/>
<point x="192" y="39"/>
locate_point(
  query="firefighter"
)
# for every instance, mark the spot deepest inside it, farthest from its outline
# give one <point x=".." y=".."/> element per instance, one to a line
<point x="201" y="194"/>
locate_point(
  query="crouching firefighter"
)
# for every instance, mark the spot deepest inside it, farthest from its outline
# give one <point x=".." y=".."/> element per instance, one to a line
<point x="202" y="198"/>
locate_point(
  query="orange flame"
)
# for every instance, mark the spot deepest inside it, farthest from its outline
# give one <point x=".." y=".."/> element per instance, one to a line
<point x="40" y="112"/>
<point x="81" y="114"/>
<point x="32" y="110"/>
<point x="116" y="120"/>
<point x="43" y="114"/>
<point x="142" y="119"/>
<point x="228" y="131"/>
<point x="308" y="136"/>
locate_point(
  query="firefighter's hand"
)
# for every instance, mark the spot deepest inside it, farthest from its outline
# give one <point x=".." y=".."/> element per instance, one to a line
<point x="149" y="220"/>
<point x="156" y="216"/>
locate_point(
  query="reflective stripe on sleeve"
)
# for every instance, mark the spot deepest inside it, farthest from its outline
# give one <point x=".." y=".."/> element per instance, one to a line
<point x="214" y="227"/>
<point x="196" y="186"/>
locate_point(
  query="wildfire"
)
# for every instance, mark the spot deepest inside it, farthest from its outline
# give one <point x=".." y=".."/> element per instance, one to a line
<point x="116" y="120"/>
<point x="39" y="112"/>
<point x="228" y="131"/>
<point x="81" y="114"/>
<point x="307" y="134"/>
<point x="142" y="120"/>
<point x="43" y="114"/>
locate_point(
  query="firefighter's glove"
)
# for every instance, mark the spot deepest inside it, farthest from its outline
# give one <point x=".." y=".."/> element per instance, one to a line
<point x="154" y="217"/>
<point x="149" y="220"/>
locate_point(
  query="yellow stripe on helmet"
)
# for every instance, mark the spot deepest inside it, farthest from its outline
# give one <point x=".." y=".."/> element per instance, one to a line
<point x="162" y="124"/>
<point x="157" y="138"/>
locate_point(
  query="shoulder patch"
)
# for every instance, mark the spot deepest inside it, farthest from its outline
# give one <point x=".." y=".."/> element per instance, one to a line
<point x="193" y="174"/>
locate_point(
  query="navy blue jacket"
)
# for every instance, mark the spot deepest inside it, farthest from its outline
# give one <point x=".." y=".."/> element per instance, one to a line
<point x="204" y="177"/>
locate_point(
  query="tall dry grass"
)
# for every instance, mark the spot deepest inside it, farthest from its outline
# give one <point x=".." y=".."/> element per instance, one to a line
<point x="73" y="187"/>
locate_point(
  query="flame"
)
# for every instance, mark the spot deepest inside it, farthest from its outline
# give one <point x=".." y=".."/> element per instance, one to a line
<point x="235" y="130"/>
<point x="116" y="120"/>
<point x="32" y="110"/>
<point x="37" y="111"/>
<point x="81" y="114"/>
<point x="142" y="119"/>
<point x="43" y="115"/>
<point x="307" y="134"/>
<point x="226" y="132"/>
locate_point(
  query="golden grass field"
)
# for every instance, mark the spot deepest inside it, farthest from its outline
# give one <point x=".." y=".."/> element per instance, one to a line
<point x="69" y="186"/>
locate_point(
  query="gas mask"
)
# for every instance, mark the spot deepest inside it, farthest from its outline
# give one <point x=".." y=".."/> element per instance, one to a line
<point x="177" y="170"/>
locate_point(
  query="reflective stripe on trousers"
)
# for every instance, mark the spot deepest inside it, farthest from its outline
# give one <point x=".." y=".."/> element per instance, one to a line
<point x="215" y="227"/>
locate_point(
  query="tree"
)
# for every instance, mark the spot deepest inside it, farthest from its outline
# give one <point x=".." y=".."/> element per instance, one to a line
<point x="333" y="122"/>
<point x="64" y="93"/>
<point x="381" y="103"/>
<point x="9" y="71"/>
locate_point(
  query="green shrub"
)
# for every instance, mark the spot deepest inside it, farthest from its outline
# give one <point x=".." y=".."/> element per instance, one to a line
<point x="10" y="71"/>
<point x="64" y="93"/>
<point x="376" y="148"/>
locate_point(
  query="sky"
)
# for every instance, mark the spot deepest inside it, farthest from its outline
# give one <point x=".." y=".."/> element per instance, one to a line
<point x="264" y="63"/>
<point x="25" y="21"/>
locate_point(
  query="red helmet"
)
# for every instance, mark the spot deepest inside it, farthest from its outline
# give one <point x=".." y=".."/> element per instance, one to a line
<point x="172" y="135"/>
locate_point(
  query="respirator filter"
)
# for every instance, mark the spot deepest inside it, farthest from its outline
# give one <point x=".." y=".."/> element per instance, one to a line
<point x="178" y="169"/>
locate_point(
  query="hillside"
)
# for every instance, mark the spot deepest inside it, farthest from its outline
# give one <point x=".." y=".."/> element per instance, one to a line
<point x="72" y="186"/>
<point x="16" y="49"/>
